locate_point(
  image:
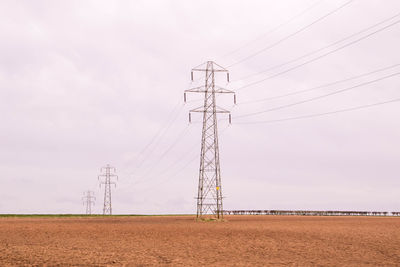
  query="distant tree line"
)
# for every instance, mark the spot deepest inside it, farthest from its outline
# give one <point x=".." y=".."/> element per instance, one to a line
<point x="311" y="212"/>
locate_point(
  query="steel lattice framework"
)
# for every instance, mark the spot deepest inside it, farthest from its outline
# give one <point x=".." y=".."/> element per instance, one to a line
<point x="209" y="196"/>
<point x="88" y="200"/>
<point x="107" y="172"/>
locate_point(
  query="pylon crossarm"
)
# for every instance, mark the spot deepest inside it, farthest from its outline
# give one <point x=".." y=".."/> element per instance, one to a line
<point x="220" y="90"/>
<point x="205" y="67"/>
<point x="199" y="89"/>
<point x="202" y="89"/>
<point x="206" y="70"/>
<point x="201" y="110"/>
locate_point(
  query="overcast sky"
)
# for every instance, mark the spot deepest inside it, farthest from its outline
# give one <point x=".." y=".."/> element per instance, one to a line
<point x="89" y="83"/>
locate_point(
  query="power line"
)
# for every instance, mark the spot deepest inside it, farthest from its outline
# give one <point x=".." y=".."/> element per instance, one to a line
<point x="292" y="34"/>
<point x="149" y="171"/>
<point x="322" y="114"/>
<point x="158" y="136"/>
<point x="151" y="168"/>
<point x="158" y="133"/>
<point x="179" y="138"/>
<point x="319" y="57"/>
<point x="319" y="87"/>
<point x="174" y="143"/>
<point x="185" y="155"/>
<point x="319" y="49"/>
<point x="165" y="130"/>
<point x="160" y="174"/>
<point x="308" y="8"/>
<point x="181" y="169"/>
<point x="317" y="97"/>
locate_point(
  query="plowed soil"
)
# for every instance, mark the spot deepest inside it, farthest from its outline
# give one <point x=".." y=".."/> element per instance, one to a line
<point x="180" y="241"/>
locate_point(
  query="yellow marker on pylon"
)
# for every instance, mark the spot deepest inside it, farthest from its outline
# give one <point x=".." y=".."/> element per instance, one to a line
<point x="217" y="187"/>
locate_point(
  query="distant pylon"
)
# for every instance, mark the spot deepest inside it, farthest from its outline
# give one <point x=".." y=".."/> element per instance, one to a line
<point x="107" y="208"/>
<point x="88" y="200"/>
<point x="209" y="194"/>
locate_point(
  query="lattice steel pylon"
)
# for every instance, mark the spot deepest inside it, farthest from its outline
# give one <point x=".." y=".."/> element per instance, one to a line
<point x="209" y="194"/>
<point x="88" y="199"/>
<point x="107" y="208"/>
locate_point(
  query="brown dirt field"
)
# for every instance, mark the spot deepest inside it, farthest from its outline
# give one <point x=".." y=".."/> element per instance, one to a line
<point x="180" y="241"/>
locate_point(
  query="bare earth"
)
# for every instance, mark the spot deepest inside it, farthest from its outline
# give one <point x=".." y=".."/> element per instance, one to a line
<point x="180" y="241"/>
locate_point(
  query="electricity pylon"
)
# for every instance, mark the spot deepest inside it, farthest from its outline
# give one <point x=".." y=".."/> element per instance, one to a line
<point x="107" y="209"/>
<point x="88" y="199"/>
<point x="209" y="194"/>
